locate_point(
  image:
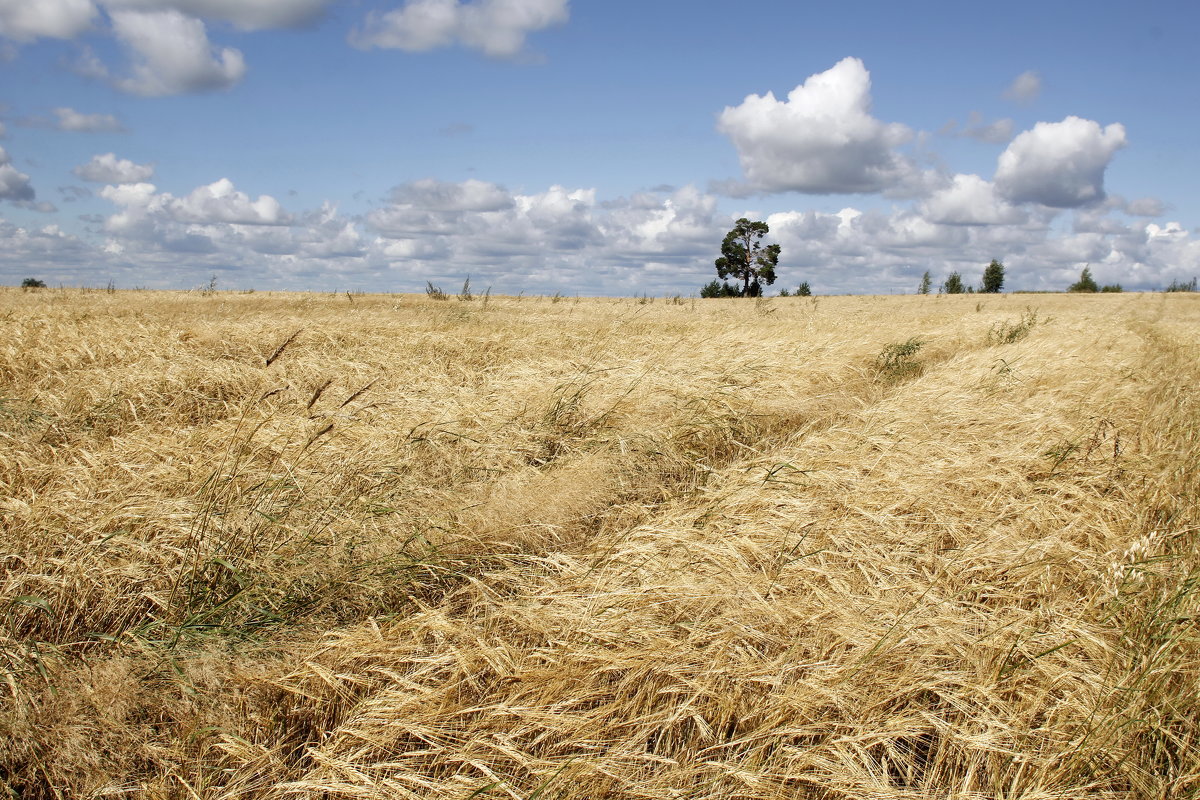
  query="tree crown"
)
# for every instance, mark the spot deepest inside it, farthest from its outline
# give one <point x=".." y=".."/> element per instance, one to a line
<point x="993" y="277"/>
<point x="745" y="258"/>
<point x="1086" y="283"/>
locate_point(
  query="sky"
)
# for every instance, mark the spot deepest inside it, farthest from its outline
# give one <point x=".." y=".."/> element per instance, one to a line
<point x="595" y="148"/>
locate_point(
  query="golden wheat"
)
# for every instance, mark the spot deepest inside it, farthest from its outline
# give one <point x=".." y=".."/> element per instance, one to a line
<point x="384" y="547"/>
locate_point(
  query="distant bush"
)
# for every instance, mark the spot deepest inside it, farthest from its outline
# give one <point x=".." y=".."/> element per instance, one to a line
<point x="1112" y="287"/>
<point x="954" y="284"/>
<point x="803" y="290"/>
<point x="1182" y="286"/>
<point x="718" y="289"/>
<point x="33" y="283"/>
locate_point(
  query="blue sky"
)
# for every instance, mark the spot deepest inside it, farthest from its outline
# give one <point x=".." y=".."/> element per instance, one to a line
<point x="594" y="148"/>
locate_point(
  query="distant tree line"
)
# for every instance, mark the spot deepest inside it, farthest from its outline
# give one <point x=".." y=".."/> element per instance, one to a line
<point x="992" y="282"/>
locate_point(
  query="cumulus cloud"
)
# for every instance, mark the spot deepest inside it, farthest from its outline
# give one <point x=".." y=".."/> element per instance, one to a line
<point x="970" y="200"/>
<point x="26" y="20"/>
<point x="434" y="195"/>
<point x="561" y="237"/>
<point x="45" y="251"/>
<point x="171" y="54"/>
<point x="497" y="28"/>
<point x="14" y="184"/>
<point x="821" y="140"/>
<point x="107" y="168"/>
<point x="491" y="216"/>
<point x="221" y="202"/>
<point x="1025" y="88"/>
<point x="1059" y="164"/>
<point x="255" y="15"/>
<point x="148" y="214"/>
<point x="683" y="222"/>
<point x="71" y="120"/>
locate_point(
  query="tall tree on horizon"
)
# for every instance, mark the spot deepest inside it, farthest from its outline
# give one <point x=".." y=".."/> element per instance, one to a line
<point x="746" y="259"/>
<point x="993" y="278"/>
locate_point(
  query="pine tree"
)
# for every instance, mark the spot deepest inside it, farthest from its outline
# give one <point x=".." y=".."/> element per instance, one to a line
<point x="744" y="257"/>
<point x="993" y="278"/>
<point x="1086" y="283"/>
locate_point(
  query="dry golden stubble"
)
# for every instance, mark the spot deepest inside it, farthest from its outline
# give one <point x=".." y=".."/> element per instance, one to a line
<point x="597" y="549"/>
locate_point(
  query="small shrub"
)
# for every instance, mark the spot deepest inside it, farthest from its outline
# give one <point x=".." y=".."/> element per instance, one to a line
<point x="718" y="289"/>
<point x="33" y="283"/>
<point x="435" y="292"/>
<point x="803" y="290"/>
<point x="1111" y="287"/>
<point x="1007" y="332"/>
<point x="898" y="361"/>
<point x="1182" y="286"/>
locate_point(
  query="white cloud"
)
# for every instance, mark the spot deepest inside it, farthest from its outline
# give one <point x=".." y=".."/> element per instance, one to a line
<point x="1025" y="88"/>
<point x="497" y="28"/>
<point x="171" y="54"/>
<point x="684" y="222"/>
<point x="970" y="200"/>
<point x="206" y="211"/>
<point x="821" y="140"/>
<point x="560" y="238"/>
<point x="14" y="184"/>
<point x="38" y="252"/>
<point x="434" y="195"/>
<point x="26" y="20"/>
<point x="107" y="168"/>
<point x="221" y="202"/>
<point x="1172" y="231"/>
<point x="246" y="14"/>
<point x="71" y="120"/>
<point x="1059" y="164"/>
<point x="1145" y="207"/>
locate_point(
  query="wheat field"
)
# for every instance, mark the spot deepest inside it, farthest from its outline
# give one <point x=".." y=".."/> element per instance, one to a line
<point x="380" y="546"/>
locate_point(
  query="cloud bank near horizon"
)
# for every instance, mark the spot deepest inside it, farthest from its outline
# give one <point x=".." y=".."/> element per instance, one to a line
<point x="1044" y="210"/>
